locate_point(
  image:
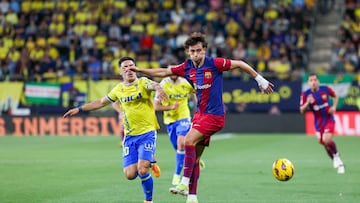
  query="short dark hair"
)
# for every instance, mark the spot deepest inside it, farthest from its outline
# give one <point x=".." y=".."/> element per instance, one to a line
<point x="195" y="38"/>
<point x="313" y="74"/>
<point x="126" y="58"/>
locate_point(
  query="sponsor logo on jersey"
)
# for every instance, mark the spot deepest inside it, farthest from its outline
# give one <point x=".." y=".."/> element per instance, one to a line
<point x="130" y="98"/>
<point x="201" y="87"/>
<point x="318" y="107"/>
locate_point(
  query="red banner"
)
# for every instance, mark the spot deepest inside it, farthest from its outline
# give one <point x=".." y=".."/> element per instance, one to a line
<point x="347" y="123"/>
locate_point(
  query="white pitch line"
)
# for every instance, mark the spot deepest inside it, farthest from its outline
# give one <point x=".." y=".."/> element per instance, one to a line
<point x="222" y="136"/>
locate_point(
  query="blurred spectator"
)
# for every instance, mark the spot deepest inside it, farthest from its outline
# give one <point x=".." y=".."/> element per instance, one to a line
<point x="274" y="110"/>
<point x="94" y="68"/>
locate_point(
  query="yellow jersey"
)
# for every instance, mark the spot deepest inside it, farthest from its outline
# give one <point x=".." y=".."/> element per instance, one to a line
<point x="180" y="92"/>
<point x="135" y="101"/>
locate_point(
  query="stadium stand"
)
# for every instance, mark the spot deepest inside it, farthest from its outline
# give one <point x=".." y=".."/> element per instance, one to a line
<point x="50" y="40"/>
<point x="345" y="57"/>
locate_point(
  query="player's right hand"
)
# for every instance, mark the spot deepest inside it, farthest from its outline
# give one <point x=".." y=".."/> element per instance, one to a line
<point x="175" y="105"/>
<point x="71" y="112"/>
<point x="132" y="68"/>
<point x="311" y="99"/>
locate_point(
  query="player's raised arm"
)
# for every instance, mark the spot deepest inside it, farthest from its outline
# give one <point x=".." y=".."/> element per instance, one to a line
<point x="97" y="104"/>
<point x="154" y="72"/>
<point x="264" y="85"/>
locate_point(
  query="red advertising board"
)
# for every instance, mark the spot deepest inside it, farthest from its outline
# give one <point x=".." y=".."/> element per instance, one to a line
<point x="347" y="123"/>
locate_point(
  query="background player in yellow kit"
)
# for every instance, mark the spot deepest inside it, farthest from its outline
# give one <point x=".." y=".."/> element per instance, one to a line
<point x="177" y="117"/>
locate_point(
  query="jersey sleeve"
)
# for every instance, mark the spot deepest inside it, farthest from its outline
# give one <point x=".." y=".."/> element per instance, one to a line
<point x="222" y="64"/>
<point x="162" y="82"/>
<point x="112" y="95"/>
<point x="145" y="82"/>
<point x="302" y="99"/>
<point x="331" y="91"/>
<point x="179" y="69"/>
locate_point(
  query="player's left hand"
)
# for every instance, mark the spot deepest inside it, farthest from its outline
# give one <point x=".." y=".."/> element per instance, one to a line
<point x="264" y="85"/>
<point x="268" y="89"/>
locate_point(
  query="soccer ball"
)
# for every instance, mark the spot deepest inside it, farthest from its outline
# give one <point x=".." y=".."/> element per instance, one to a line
<point x="283" y="169"/>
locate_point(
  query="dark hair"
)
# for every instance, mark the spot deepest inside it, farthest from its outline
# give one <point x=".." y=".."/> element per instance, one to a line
<point x="313" y="74"/>
<point x="195" y="38"/>
<point x="126" y="58"/>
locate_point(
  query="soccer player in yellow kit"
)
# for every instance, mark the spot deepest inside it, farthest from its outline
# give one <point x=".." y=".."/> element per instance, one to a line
<point x="176" y="116"/>
<point x="134" y="96"/>
<point x="155" y="169"/>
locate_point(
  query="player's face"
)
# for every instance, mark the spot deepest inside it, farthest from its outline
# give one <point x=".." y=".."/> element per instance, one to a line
<point x="197" y="53"/>
<point x="313" y="82"/>
<point x="174" y="77"/>
<point x="128" y="75"/>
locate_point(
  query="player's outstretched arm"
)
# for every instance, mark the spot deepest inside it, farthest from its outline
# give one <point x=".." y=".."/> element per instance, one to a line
<point x="154" y="72"/>
<point x="264" y="85"/>
<point x="97" y="104"/>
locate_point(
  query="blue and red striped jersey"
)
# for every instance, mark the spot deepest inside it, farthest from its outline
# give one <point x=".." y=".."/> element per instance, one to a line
<point x="207" y="81"/>
<point x="321" y="106"/>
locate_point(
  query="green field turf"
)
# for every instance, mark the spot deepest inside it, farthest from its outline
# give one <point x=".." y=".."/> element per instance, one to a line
<point x="238" y="169"/>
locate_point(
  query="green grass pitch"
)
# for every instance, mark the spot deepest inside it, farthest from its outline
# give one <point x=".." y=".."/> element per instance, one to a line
<point x="55" y="169"/>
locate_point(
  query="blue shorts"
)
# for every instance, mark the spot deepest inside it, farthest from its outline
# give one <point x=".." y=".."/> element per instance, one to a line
<point x="178" y="128"/>
<point x="139" y="147"/>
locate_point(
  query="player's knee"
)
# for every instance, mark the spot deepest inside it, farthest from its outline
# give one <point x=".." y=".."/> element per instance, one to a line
<point x="129" y="174"/>
<point x="142" y="170"/>
<point x="181" y="146"/>
<point x="327" y="139"/>
<point x="190" y="141"/>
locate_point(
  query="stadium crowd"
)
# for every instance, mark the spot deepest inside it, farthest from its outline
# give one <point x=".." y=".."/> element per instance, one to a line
<point x="346" y="56"/>
<point x="48" y="40"/>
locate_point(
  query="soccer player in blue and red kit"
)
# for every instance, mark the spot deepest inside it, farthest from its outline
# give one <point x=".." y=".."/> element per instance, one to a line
<point x="205" y="73"/>
<point x="316" y="98"/>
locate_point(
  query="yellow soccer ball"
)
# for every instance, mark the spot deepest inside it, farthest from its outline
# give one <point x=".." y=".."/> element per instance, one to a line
<point x="283" y="169"/>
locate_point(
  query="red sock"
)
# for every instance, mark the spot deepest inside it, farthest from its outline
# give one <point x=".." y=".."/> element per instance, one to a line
<point x="331" y="149"/>
<point x="189" y="160"/>
<point x="194" y="179"/>
<point x="329" y="152"/>
<point x="332" y="146"/>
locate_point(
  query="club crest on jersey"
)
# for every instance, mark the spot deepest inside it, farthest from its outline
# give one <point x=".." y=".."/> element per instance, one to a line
<point x="208" y="74"/>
